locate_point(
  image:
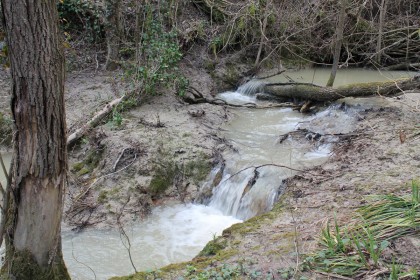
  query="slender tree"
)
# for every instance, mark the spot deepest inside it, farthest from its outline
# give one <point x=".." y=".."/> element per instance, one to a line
<point x="33" y="231"/>
<point x="338" y="42"/>
<point x="113" y="32"/>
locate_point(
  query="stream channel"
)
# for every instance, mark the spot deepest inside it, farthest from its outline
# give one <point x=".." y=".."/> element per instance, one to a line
<point x="176" y="233"/>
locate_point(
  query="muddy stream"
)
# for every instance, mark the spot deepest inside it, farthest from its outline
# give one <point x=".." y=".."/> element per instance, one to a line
<point x="176" y="233"/>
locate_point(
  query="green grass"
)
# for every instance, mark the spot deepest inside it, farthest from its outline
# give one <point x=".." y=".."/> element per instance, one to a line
<point x="357" y="249"/>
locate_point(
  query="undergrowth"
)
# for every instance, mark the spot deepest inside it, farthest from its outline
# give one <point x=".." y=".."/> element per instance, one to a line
<point x="357" y="250"/>
<point x="157" y="56"/>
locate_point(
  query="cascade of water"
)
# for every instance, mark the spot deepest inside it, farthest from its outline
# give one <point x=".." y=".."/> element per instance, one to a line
<point x="251" y="87"/>
<point x="244" y="196"/>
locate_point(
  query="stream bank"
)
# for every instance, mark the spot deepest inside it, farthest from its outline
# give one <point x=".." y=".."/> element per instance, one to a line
<point x="378" y="156"/>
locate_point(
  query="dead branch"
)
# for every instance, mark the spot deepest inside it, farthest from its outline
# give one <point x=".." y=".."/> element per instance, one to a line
<point x="118" y="159"/>
<point x="94" y="121"/>
<point x="99" y="116"/>
<point x="83" y="193"/>
<point x="264" y="165"/>
<point x="124" y="235"/>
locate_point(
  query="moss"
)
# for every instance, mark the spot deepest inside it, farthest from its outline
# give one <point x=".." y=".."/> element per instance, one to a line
<point x="199" y="169"/>
<point x="83" y="171"/>
<point x="212" y="248"/>
<point x="93" y="158"/>
<point x="24" y="266"/>
<point x="173" y="271"/>
<point x="167" y="170"/>
<point x="232" y="75"/>
<point x="77" y="166"/>
<point x="162" y="180"/>
<point x="210" y="66"/>
<point x="102" y="197"/>
<point x="90" y="162"/>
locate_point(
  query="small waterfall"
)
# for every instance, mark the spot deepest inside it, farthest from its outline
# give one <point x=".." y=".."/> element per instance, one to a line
<point x="251" y="87"/>
<point x="245" y="196"/>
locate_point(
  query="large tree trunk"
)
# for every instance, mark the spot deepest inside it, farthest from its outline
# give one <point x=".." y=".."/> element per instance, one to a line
<point x="317" y="93"/>
<point x="33" y="234"/>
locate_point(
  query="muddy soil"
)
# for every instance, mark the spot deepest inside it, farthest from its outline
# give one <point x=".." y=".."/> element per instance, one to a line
<point x="112" y="168"/>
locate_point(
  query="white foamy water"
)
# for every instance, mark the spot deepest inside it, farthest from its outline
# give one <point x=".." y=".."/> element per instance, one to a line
<point x="234" y="97"/>
<point x="171" y="234"/>
<point x="254" y="134"/>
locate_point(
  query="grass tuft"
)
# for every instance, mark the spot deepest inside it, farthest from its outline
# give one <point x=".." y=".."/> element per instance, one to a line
<point x="357" y="250"/>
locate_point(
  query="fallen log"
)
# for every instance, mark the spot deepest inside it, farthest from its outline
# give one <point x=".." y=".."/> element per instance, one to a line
<point x="317" y="93"/>
<point x="80" y="132"/>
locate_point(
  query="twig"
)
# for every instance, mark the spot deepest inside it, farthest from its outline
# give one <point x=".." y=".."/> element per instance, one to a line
<point x="118" y="159"/>
<point x="296" y="244"/>
<point x="3" y="166"/>
<point x="104" y="176"/>
<point x="124" y="234"/>
<point x="269" y="75"/>
<point x="264" y="165"/>
<point x="82" y="263"/>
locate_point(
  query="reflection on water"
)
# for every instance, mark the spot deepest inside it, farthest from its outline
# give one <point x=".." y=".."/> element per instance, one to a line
<point x="320" y="76"/>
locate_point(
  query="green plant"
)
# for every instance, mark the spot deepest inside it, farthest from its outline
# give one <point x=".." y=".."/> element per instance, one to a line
<point x="395" y="271"/>
<point x="163" y="178"/>
<point x="358" y="248"/>
<point x="160" y="54"/>
<point x="81" y="15"/>
<point x="116" y="117"/>
<point x="212" y="247"/>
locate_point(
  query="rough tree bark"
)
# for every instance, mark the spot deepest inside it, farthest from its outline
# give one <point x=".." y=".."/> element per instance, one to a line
<point x="317" y="93"/>
<point x="113" y="31"/>
<point x="33" y="231"/>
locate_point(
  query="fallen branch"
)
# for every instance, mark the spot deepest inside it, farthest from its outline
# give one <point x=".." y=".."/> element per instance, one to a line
<point x="72" y="138"/>
<point x="98" y="117"/>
